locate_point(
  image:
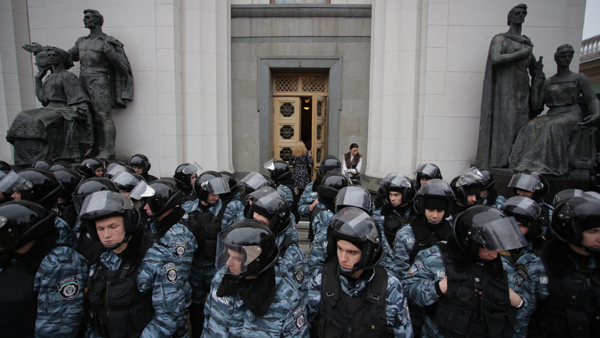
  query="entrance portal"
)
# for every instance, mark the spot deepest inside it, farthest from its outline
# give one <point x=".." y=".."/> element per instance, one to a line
<point x="300" y="114"/>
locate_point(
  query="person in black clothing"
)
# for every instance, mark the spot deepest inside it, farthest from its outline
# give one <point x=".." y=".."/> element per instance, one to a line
<point x="141" y="164"/>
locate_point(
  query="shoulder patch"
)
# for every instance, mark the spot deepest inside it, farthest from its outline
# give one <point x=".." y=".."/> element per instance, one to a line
<point x="299" y="272"/>
<point x="180" y="248"/>
<point x="521" y="274"/>
<point x="414" y="268"/>
<point x="68" y="288"/>
<point x="299" y="317"/>
<point x="170" y="272"/>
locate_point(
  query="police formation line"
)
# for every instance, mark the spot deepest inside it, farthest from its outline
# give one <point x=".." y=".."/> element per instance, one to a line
<point x="107" y="250"/>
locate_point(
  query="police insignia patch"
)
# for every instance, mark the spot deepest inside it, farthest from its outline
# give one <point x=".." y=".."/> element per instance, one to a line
<point x="414" y="268"/>
<point x="180" y="248"/>
<point x="299" y="317"/>
<point x="68" y="288"/>
<point x="299" y="272"/>
<point x="521" y="275"/>
<point x="170" y="272"/>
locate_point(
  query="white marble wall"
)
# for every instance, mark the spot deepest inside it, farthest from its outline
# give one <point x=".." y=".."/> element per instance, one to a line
<point x="431" y="113"/>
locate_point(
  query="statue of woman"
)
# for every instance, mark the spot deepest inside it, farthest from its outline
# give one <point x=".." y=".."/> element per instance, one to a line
<point x="62" y="130"/>
<point x="505" y="99"/>
<point x="542" y="144"/>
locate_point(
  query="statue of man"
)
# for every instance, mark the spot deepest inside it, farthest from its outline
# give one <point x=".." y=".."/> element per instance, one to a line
<point x="505" y="101"/>
<point x="106" y="77"/>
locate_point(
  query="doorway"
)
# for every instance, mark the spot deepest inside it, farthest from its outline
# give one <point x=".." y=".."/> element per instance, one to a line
<point x="300" y="114"/>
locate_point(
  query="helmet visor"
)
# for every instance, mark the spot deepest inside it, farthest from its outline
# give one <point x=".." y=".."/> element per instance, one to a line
<point x="469" y="177"/>
<point x="105" y="202"/>
<point x="427" y="169"/>
<point x="235" y="258"/>
<point x="254" y="180"/>
<point x="400" y="181"/>
<point x="270" y="164"/>
<point x="356" y="223"/>
<point x="216" y="186"/>
<point x="500" y="234"/>
<point x="14" y="181"/>
<point x="192" y="168"/>
<point x="141" y="190"/>
<point x="436" y="187"/>
<point x="268" y="199"/>
<point x="525" y="182"/>
<point x="526" y="206"/>
<point x="114" y="169"/>
<point x="354" y="196"/>
<point x="580" y="207"/>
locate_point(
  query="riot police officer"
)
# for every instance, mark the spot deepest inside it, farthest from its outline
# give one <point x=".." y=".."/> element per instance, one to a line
<point x="351" y="296"/>
<point x="308" y="200"/>
<point x="527" y="215"/>
<point x="398" y="194"/>
<point x="247" y="297"/>
<point x="534" y="186"/>
<point x="91" y="167"/>
<point x="489" y="193"/>
<point x="466" y="188"/>
<point x="425" y="172"/>
<point x="137" y="287"/>
<point x="560" y="283"/>
<point x="185" y="176"/>
<point x="281" y="174"/>
<point x="141" y="164"/>
<point x="462" y="284"/>
<point x="41" y="284"/>
<point x="69" y="179"/>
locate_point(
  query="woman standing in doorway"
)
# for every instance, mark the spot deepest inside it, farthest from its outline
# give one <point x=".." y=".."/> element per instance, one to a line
<point x="352" y="164"/>
<point x="301" y="160"/>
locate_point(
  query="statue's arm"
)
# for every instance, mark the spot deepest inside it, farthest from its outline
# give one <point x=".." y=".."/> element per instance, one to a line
<point x="74" y="51"/>
<point x="591" y="99"/>
<point x="498" y="57"/>
<point x="117" y="57"/>
<point x="39" y="87"/>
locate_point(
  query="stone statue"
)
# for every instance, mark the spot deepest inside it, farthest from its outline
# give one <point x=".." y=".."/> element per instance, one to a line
<point x="505" y="99"/>
<point x="106" y="77"/>
<point x="542" y="144"/>
<point x="62" y="130"/>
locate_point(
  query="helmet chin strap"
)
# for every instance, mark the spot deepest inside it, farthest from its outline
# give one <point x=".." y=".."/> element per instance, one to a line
<point x="117" y="245"/>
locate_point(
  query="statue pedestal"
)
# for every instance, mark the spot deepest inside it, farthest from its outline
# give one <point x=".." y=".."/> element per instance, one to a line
<point x="576" y="179"/>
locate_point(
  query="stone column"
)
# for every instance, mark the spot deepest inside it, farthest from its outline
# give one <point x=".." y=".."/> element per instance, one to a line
<point x="206" y="75"/>
<point x="16" y="77"/>
<point x="394" y="87"/>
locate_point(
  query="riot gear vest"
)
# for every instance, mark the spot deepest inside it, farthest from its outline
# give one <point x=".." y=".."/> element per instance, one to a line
<point x="18" y="301"/>
<point x="391" y="224"/>
<point x="117" y="307"/>
<point x="205" y="228"/>
<point x="425" y="237"/>
<point x="460" y="312"/>
<point x="573" y="307"/>
<point x="315" y="211"/>
<point x="343" y="316"/>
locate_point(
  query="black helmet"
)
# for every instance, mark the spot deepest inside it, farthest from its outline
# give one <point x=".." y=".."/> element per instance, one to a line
<point x="230" y="179"/>
<point x="104" y="204"/>
<point x="22" y="222"/>
<point x="574" y="216"/>
<point x="592" y="194"/>
<point x="43" y="164"/>
<point x="329" y="163"/>
<point x="357" y="227"/>
<point x="116" y="168"/>
<point x="401" y="184"/>
<point x="488" y="182"/>
<point x="184" y="172"/>
<point x="166" y="196"/>
<point x="267" y="202"/>
<point x="532" y="182"/>
<point x="56" y="167"/>
<point x="331" y="185"/>
<point x="203" y="177"/>
<point x="468" y="183"/>
<point x="252" y="182"/>
<point x="427" y="171"/>
<point x="254" y="241"/>
<point x="215" y="185"/>
<point x="525" y="211"/>
<point x="354" y="196"/>
<point x="89" y="186"/>
<point x="434" y="194"/>
<point x="69" y="179"/>
<point x="487" y="227"/>
<point x="134" y="184"/>
<point x="564" y="195"/>
<point x="88" y="167"/>
<point x="45" y="187"/>
<point x="280" y="170"/>
<point x="140" y="161"/>
<point x="384" y="181"/>
<point x="5" y="167"/>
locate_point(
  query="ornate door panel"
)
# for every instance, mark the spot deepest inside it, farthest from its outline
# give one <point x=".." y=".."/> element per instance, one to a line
<point x="286" y="126"/>
<point x="319" y="133"/>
